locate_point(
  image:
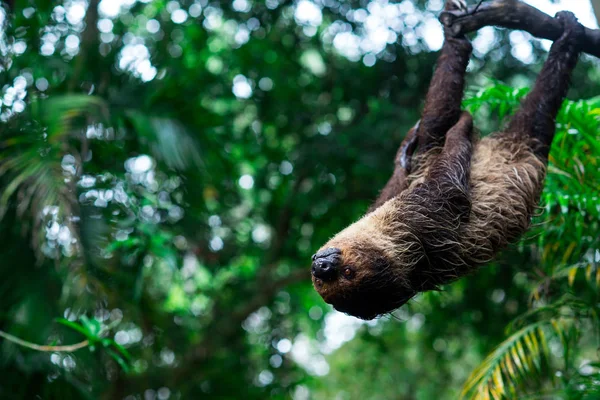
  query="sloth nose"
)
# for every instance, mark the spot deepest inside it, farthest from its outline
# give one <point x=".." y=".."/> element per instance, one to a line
<point x="325" y="264"/>
<point x="324" y="269"/>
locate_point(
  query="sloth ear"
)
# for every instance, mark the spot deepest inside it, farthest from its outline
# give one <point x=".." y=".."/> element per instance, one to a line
<point x="407" y="148"/>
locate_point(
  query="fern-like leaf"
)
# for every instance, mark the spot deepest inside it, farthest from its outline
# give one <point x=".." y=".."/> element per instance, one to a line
<point x="518" y="358"/>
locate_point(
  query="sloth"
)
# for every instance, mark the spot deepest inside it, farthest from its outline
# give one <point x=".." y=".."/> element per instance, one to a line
<point x="453" y="201"/>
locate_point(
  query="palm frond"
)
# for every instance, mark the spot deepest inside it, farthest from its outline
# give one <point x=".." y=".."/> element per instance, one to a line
<point x="36" y="177"/>
<point x="33" y="174"/>
<point x="589" y="271"/>
<point x="568" y="240"/>
<point x="60" y="115"/>
<point x="566" y="307"/>
<point x="517" y="359"/>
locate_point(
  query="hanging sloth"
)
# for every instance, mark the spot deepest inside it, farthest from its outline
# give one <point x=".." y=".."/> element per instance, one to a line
<point x="452" y="202"/>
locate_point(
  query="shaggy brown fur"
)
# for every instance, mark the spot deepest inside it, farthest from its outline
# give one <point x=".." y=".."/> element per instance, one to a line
<point x="459" y="203"/>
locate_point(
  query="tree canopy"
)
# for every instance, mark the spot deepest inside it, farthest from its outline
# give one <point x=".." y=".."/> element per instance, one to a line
<point x="167" y="168"/>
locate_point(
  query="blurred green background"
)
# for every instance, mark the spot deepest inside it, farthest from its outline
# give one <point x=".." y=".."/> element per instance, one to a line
<point x="167" y="168"/>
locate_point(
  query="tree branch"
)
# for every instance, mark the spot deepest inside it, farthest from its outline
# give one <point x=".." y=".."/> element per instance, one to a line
<point x="514" y="14"/>
<point x="596" y="8"/>
<point x="33" y="346"/>
<point x="89" y="43"/>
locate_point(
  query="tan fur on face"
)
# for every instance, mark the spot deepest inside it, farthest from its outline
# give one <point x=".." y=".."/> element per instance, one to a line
<point x="379" y="229"/>
<point x="377" y="235"/>
<point x="358" y="242"/>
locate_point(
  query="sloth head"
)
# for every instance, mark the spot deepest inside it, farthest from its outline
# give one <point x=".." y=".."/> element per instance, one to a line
<point x="359" y="272"/>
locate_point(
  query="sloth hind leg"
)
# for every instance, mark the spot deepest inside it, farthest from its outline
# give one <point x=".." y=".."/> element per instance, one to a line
<point x="535" y="119"/>
<point x="450" y="172"/>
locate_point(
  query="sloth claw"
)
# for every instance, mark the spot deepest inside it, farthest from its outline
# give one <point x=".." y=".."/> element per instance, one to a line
<point x="459" y="5"/>
<point x="571" y="27"/>
<point x="454" y="5"/>
<point x="573" y="31"/>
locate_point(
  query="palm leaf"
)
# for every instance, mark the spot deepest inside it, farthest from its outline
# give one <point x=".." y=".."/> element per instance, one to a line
<point x="589" y="271"/>
<point x="31" y="162"/>
<point x="61" y="115"/>
<point x="516" y="359"/>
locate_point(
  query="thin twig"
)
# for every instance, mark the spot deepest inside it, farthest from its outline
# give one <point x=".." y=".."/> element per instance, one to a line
<point x="33" y="346"/>
<point x="89" y="38"/>
<point x="477" y="6"/>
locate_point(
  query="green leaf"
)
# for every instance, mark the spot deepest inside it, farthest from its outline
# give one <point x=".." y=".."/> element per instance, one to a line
<point x="122" y="362"/>
<point x="76" y="327"/>
<point x="508" y="365"/>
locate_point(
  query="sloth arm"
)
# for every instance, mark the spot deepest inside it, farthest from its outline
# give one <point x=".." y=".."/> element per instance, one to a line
<point x="441" y="112"/>
<point x="444" y="96"/>
<point x="448" y="178"/>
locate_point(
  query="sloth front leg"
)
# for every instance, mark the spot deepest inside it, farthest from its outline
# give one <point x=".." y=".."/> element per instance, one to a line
<point x="444" y="96"/>
<point x="448" y="176"/>
<point x="441" y="111"/>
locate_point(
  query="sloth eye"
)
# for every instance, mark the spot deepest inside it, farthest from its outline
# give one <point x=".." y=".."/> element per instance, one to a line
<point x="347" y="272"/>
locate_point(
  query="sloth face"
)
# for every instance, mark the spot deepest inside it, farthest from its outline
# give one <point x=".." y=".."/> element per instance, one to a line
<point x="359" y="280"/>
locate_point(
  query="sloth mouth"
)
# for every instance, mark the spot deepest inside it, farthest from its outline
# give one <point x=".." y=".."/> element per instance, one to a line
<point x="329" y="291"/>
<point x="368" y="309"/>
<point x="366" y="302"/>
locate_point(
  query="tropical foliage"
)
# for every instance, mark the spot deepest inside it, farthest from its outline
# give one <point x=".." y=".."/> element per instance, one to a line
<point x="559" y="333"/>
